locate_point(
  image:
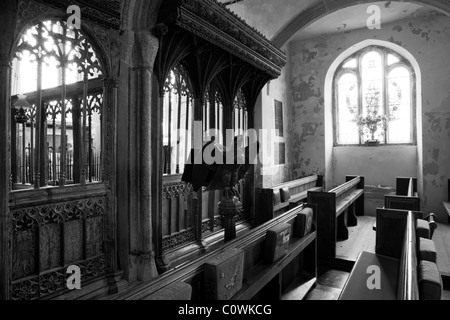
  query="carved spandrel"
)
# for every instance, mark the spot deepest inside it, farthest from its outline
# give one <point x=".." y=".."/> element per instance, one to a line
<point x="52" y="282"/>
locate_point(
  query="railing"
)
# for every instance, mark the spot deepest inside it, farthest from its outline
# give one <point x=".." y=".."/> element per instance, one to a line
<point x="25" y="173"/>
<point x="178" y="223"/>
<point x="345" y="187"/>
<point x="408" y="288"/>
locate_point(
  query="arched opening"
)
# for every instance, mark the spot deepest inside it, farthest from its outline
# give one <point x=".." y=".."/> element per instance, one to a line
<point x="57" y="105"/>
<point x="364" y="159"/>
<point x="60" y="124"/>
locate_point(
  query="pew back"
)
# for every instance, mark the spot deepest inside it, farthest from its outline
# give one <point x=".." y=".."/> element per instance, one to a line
<point x="273" y="201"/>
<point x="261" y="280"/>
<point x="390" y="231"/>
<point x="337" y="209"/>
<point x="399" y="275"/>
<point x="406" y="197"/>
<point x="408" y="287"/>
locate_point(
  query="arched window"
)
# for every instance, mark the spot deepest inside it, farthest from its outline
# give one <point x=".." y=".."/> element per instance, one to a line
<point x="57" y="107"/>
<point x="374" y="99"/>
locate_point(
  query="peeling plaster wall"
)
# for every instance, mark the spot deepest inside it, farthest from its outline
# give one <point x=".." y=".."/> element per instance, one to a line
<point x="367" y="161"/>
<point x="428" y="40"/>
<point x="271" y="174"/>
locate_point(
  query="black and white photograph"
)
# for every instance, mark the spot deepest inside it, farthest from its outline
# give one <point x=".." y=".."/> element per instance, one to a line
<point x="227" y="157"/>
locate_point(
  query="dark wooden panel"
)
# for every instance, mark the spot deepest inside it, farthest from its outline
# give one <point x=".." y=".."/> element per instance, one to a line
<point x="94" y="236"/>
<point x="50" y="246"/>
<point x="24" y="253"/>
<point x="326" y="223"/>
<point x="402" y="203"/>
<point x="73" y="241"/>
<point x="402" y="185"/>
<point x="390" y="231"/>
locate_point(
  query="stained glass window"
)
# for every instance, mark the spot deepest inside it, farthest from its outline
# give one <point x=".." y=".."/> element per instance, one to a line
<point x="374" y="99"/>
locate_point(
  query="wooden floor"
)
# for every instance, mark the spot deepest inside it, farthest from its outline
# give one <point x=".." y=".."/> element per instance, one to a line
<point x="361" y="238"/>
<point x="329" y="285"/>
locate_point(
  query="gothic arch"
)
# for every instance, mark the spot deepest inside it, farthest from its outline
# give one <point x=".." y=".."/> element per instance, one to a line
<point x="44" y="14"/>
<point x="323" y="8"/>
<point x="329" y="138"/>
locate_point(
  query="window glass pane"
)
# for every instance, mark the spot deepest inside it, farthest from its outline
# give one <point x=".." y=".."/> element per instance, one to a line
<point x="371" y="120"/>
<point x="347" y="99"/>
<point x="392" y="59"/>
<point x="351" y="64"/>
<point x="399" y="97"/>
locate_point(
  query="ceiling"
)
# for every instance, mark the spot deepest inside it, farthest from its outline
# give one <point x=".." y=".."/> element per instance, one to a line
<point x="270" y="16"/>
<point x="356" y="17"/>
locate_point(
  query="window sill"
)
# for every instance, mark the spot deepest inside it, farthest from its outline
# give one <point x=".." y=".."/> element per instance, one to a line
<point x="372" y="146"/>
<point x="48" y="194"/>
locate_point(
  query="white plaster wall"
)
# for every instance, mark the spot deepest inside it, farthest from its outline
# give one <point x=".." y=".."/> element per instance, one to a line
<point x="428" y="40"/>
<point x="272" y="174"/>
<point x="368" y="162"/>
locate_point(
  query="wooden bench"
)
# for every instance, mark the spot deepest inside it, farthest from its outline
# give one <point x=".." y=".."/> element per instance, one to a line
<point x="294" y="274"/>
<point x="271" y="202"/>
<point x="447" y="203"/>
<point x="395" y="256"/>
<point x="406" y="196"/>
<point x="336" y="210"/>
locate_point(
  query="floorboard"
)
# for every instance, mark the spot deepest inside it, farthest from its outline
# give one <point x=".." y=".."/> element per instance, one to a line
<point x="361" y="238"/>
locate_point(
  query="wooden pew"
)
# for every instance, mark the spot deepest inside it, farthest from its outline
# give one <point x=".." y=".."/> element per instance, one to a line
<point x="261" y="280"/>
<point x="271" y="202"/>
<point x="337" y="209"/>
<point x="397" y="262"/>
<point x="406" y="196"/>
<point x="447" y="203"/>
<point x="395" y="256"/>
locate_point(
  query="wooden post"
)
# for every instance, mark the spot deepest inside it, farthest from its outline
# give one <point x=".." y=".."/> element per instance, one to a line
<point x="13" y="147"/>
<point x="5" y="76"/>
<point x="77" y="140"/>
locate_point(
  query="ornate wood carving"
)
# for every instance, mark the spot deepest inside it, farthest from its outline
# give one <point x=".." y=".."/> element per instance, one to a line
<point x="174" y="190"/>
<point x="103" y="12"/>
<point x="213" y="22"/>
<point x="177" y="240"/>
<point x="29" y="10"/>
<point x="45" y="239"/>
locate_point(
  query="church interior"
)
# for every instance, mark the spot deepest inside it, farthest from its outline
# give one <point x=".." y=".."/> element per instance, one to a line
<point x="224" y="150"/>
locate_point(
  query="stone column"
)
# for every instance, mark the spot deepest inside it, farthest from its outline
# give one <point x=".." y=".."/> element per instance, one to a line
<point x="5" y="173"/>
<point x="145" y="53"/>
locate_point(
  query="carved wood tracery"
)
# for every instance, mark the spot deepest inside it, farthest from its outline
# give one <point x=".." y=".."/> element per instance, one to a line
<point x="219" y="51"/>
